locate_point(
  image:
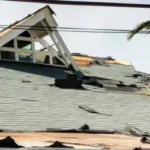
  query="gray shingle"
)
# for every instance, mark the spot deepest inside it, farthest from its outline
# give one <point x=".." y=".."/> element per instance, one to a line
<point x="35" y="106"/>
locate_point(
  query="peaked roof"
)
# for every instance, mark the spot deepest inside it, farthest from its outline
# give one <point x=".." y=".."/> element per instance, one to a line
<point x="17" y="23"/>
<point x="51" y="107"/>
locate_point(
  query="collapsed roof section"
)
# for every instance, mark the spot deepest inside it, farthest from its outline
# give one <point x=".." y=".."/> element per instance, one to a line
<point x="85" y="60"/>
<point x="35" y="39"/>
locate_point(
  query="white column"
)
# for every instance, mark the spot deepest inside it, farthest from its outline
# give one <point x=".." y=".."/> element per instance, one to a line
<point x="67" y="53"/>
<point x="16" y="50"/>
<point x="33" y="49"/>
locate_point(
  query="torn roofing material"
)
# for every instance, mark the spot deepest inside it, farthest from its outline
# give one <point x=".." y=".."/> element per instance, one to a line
<point x="36" y="141"/>
<point x="85" y="60"/>
<point x="36" y="106"/>
<point x="29" y="103"/>
<point x="8" y="142"/>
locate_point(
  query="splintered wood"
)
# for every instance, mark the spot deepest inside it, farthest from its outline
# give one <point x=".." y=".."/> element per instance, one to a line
<point x="77" y="140"/>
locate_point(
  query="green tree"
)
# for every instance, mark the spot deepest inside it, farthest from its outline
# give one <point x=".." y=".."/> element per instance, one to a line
<point x="143" y="26"/>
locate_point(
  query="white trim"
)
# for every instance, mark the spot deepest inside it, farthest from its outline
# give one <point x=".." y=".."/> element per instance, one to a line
<point x="33" y="49"/>
<point x="23" y="38"/>
<point x="41" y="53"/>
<point x="55" y="41"/>
<point x="46" y="45"/>
<point x="27" y="22"/>
<point x="16" y="46"/>
<point x="25" y="51"/>
<point x="15" y="50"/>
<point x="55" y="35"/>
<point x="47" y="20"/>
<point x="52" y="52"/>
<point x="67" y="53"/>
<point x="50" y="19"/>
<point x="7" y="49"/>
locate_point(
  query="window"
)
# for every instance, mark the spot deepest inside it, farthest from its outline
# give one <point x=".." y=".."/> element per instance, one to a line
<point x="25" y="45"/>
<point x="25" y="56"/>
<point x="10" y="44"/>
<point x="42" y="58"/>
<point x="7" y="55"/>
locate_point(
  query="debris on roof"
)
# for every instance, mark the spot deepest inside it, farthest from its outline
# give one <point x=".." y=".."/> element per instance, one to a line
<point x="8" y="142"/>
<point x="138" y="148"/>
<point x="85" y="60"/>
<point x="84" y="127"/>
<point x="145" y="140"/>
<point x="82" y="61"/>
<point x="78" y="141"/>
<point x="86" y="108"/>
<point x="58" y="144"/>
<point x="106" y="99"/>
<point x="71" y="81"/>
<point x="121" y="62"/>
<point x="110" y="87"/>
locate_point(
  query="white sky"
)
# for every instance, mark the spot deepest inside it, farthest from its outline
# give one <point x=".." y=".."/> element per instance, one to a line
<point x="116" y="45"/>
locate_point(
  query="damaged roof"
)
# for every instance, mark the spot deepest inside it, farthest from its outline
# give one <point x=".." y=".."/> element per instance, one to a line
<point x="78" y="141"/>
<point x="110" y="99"/>
<point x="30" y="103"/>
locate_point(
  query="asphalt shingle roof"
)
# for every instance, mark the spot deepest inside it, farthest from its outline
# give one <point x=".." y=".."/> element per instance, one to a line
<point x="29" y="103"/>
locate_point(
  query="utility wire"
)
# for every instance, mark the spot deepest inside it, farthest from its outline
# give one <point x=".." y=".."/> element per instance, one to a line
<point x="71" y="29"/>
<point x="65" y="28"/>
<point x="86" y="3"/>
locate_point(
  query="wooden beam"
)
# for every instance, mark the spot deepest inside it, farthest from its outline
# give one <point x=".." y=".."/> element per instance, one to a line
<point x="66" y="50"/>
<point x="46" y="45"/>
<point x="51" y="51"/>
<point x="61" y="46"/>
<point x="24" y="38"/>
<point x="56" y="43"/>
<point x="8" y="49"/>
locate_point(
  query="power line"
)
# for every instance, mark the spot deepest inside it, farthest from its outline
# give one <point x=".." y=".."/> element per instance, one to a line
<point x="71" y="29"/>
<point x="86" y="3"/>
<point x="64" y="28"/>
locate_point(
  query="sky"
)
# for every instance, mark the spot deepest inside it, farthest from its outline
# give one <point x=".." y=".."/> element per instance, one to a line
<point x="116" y="45"/>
